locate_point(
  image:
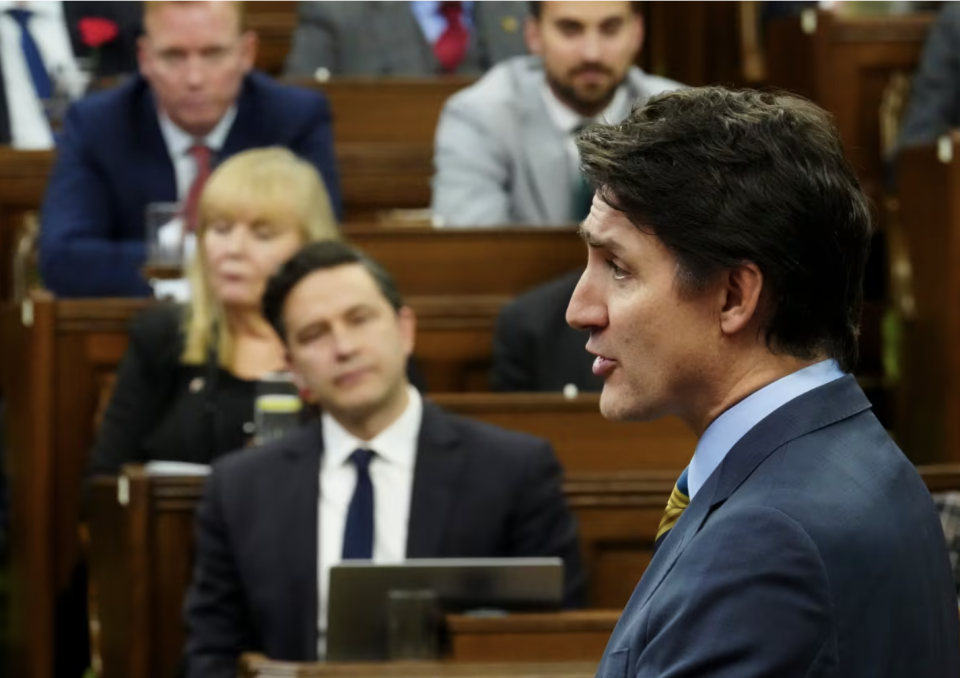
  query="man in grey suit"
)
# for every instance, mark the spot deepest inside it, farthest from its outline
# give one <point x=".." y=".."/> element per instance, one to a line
<point x="935" y="101"/>
<point x="404" y="38"/>
<point x="505" y="149"/>
<point x="726" y="246"/>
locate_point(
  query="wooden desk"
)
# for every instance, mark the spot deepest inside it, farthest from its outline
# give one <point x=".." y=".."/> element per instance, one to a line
<point x="565" y="636"/>
<point x="927" y="270"/>
<point x="258" y="667"/>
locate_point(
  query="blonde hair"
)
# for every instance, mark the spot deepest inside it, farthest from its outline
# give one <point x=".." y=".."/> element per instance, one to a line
<point x="269" y="184"/>
<point x="151" y="7"/>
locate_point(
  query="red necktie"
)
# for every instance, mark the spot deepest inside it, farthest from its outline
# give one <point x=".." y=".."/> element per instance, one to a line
<point x="201" y="154"/>
<point x="451" y="47"/>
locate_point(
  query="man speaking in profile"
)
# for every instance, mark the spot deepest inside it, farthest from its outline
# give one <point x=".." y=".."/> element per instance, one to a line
<point x="726" y="248"/>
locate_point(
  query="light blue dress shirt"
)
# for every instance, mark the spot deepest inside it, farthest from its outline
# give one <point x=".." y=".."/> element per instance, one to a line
<point x="432" y="23"/>
<point x="727" y="429"/>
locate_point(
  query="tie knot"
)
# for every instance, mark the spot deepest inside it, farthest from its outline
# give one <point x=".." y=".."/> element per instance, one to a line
<point x="200" y="152"/>
<point x="361" y="459"/>
<point x="451" y="11"/>
<point x="20" y="15"/>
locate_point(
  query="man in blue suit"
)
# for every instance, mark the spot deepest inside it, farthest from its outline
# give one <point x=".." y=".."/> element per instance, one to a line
<point x="726" y="249"/>
<point x="156" y="138"/>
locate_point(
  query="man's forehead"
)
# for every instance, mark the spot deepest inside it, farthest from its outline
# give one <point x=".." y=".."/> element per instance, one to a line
<point x="331" y="291"/>
<point x="585" y="11"/>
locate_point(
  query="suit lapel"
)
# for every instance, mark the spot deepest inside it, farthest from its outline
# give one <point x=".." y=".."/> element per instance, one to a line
<point x="435" y="476"/>
<point x="811" y="411"/>
<point x="244" y="132"/>
<point x="159" y="181"/>
<point x="297" y="506"/>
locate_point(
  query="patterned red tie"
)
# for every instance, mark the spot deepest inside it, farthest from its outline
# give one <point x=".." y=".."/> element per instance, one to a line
<point x="451" y="47"/>
<point x="201" y="155"/>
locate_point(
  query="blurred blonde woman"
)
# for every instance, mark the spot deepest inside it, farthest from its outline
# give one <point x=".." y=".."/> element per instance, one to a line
<point x="186" y="386"/>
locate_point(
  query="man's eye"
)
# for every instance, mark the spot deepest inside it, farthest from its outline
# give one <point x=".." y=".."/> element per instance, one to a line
<point x="618" y="273"/>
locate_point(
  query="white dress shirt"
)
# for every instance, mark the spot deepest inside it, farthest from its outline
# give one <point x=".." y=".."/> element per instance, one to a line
<point x="567" y="120"/>
<point x="29" y="127"/>
<point x="178" y="145"/>
<point x="391" y="472"/>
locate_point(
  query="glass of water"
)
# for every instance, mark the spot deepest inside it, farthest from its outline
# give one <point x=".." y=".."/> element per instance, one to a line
<point x="276" y="410"/>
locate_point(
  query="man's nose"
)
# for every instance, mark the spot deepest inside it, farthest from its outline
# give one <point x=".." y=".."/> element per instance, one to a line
<point x="585" y="310"/>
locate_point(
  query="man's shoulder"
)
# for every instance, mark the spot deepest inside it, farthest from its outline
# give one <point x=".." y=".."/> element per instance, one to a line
<point x="550" y="293"/>
<point x="104" y="109"/>
<point x="254" y="464"/>
<point x="500" y="87"/>
<point x="280" y="98"/>
<point x="651" y="85"/>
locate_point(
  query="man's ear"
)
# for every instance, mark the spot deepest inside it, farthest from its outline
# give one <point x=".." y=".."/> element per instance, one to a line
<point x="531" y="34"/>
<point x="249" y="44"/>
<point x="408" y="329"/>
<point x="740" y="297"/>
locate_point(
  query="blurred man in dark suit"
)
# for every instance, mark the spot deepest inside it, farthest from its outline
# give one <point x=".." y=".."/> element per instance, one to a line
<point x="534" y="349"/>
<point x="156" y="139"/>
<point x="404" y="38"/>
<point x="384" y="475"/>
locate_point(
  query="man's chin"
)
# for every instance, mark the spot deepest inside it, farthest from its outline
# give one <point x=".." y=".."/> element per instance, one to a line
<point x="618" y="406"/>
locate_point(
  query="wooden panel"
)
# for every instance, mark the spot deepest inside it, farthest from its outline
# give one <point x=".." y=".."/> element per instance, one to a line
<point x="585" y="442"/>
<point x="565" y="636"/>
<point x="450" y="262"/>
<point x="843" y="63"/>
<point x="274" y="23"/>
<point x="928" y="427"/>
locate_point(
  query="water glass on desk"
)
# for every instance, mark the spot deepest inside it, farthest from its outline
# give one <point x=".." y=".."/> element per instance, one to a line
<point x="277" y="408"/>
<point x="167" y="240"/>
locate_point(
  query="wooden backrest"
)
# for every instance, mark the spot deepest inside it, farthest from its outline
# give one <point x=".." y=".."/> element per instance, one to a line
<point x="844" y="63"/>
<point x="257" y="666"/>
<point x="274" y="23"/>
<point x="928" y="427"/>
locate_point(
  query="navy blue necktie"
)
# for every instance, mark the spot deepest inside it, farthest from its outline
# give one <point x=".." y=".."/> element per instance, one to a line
<point x="31" y="55"/>
<point x="358" y="535"/>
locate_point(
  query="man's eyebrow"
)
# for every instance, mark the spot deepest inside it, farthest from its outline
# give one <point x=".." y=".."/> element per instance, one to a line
<point x="599" y="243"/>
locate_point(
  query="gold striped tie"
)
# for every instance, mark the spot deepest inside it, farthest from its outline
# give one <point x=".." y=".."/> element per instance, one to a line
<point x="679" y="500"/>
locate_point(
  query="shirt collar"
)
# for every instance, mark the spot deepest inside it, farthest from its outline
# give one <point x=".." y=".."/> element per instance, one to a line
<point x="727" y="429"/>
<point x="567" y="120"/>
<point x="426" y="10"/>
<point x="396" y="444"/>
<point x="179" y="142"/>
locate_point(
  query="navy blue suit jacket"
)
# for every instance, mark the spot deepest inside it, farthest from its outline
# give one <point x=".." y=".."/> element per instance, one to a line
<point x="112" y="162"/>
<point x="813" y="550"/>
